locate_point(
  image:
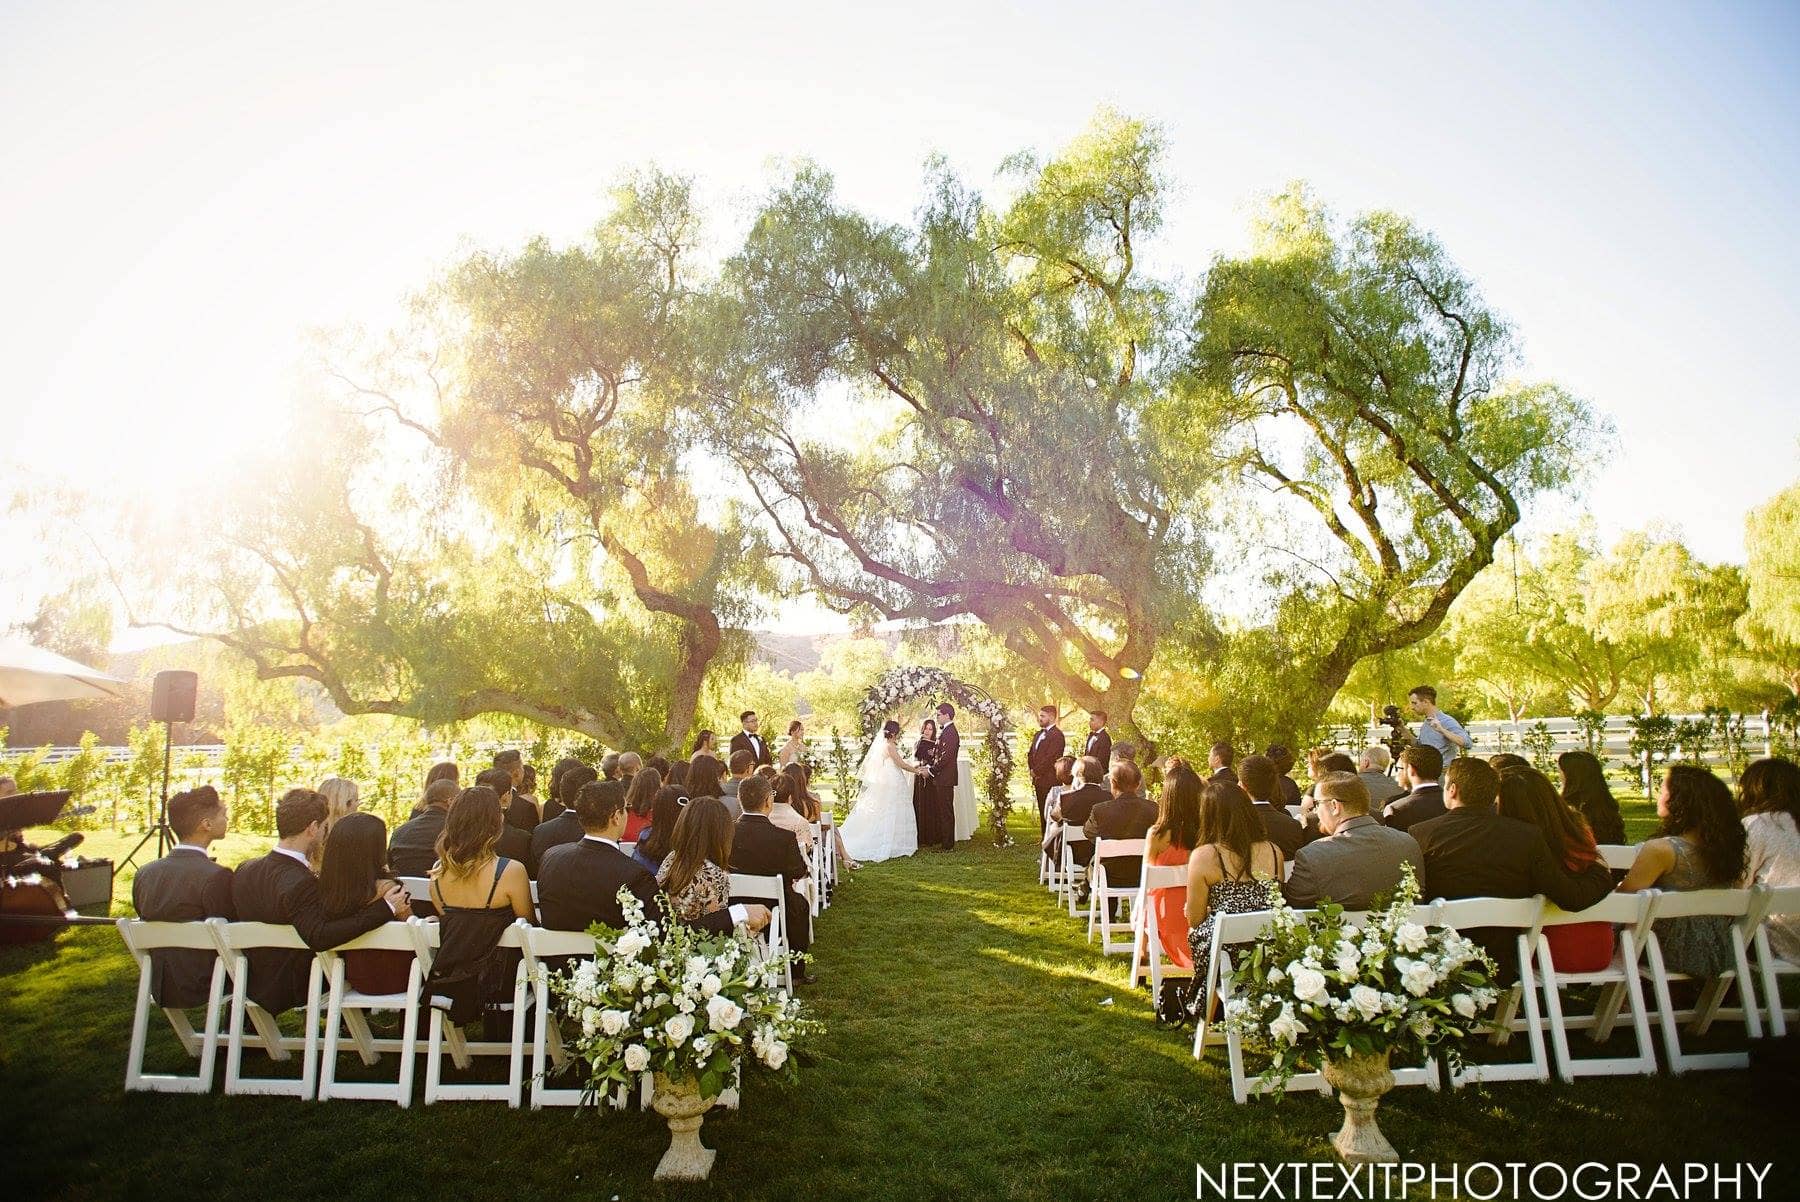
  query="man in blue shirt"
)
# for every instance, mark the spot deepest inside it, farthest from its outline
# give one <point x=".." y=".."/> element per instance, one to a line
<point x="1436" y="728"/>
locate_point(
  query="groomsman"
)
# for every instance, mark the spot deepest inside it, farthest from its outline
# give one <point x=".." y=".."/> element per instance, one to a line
<point x="1099" y="743"/>
<point x="748" y="740"/>
<point x="1046" y="749"/>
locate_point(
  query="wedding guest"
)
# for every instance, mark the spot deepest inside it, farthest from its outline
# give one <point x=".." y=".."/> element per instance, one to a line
<point x="1172" y="841"/>
<point x="1322" y="761"/>
<point x="1099" y="742"/>
<point x="1127" y="814"/>
<point x="1218" y="762"/>
<point x="1420" y="768"/>
<point x="1073" y="807"/>
<point x="478" y="892"/>
<point x="566" y="826"/>
<point x="706" y="778"/>
<point x="443" y="770"/>
<point x="694" y="873"/>
<point x="661" y="764"/>
<point x="768" y="772"/>
<point x="760" y="848"/>
<point x="186" y="886"/>
<point x="640" y="794"/>
<point x="521" y="812"/>
<point x="1437" y="729"/>
<point x="1125" y="753"/>
<point x="1528" y="795"/>
<point x="1258" y="778"/>
<point x="341" y="797"/>
<point x="515" y="844"/>
<point x="353" y="873"/>
<point x="1470" y="850"/>
<point x="1769" y="800"/>
<point x="1357" y="860"/>
<point x="784" y="813"/>
<point x="280" y="888"/>
<point x="609" y="766"/>
<point x="749" y="738"/>
<point x="705" y="743"/>
<point x="1584" y="790"/>
<point x="677" y="775"/>
<point x="630" y="764"/>
<point x="812" y="808"/>
<point x="1229" y="872"/>
<point x="1287" y="791"/>
<point x="1372" y="767"/>
<point x="1702" y="845"/>
<point x="794" y="750"/>
<point x="1063" y="778"/>
<point x="743" y="767"/>
<point x="653" y="845"/>
<point x="1041" y="760"/>
<point x="1506" y="759"/>
<point x="412" y="848"/>
<point x="553" y="797"/>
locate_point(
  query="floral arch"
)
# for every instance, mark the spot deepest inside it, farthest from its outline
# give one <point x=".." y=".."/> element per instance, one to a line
<point x="897" y="686"/>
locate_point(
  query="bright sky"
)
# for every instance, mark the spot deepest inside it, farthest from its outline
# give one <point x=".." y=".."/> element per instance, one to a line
<point x="188" y="188"/>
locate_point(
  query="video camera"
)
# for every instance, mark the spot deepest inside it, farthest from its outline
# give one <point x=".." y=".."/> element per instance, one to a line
<point x="1399" y="736"/>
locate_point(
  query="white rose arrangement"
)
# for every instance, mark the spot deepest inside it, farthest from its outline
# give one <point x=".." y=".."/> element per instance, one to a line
<point x="1313" y="988"/>
<point x="670" y="998"/>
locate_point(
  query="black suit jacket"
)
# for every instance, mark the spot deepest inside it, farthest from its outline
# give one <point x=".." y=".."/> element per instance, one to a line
<point x="183" y="886"/>
<point x="523" y="813"/>
<point x="1421" y="805"/>
<point x="278" y="888"/>
<point x="1125" y="817"/>
<point x="1099" y="745"/>
<point x="1283" y="830"/>
<point x="944" y="763"/>
<point x="579" y="883"/>
<point x="759" y="747"/>
<point x="1474" y="852"/>
<point x="412" y="848"/>
<point x="1075" y="806"/>
<point x="552" y="832"/>
<point x="514" y="844"/>
<point x="760" y="848"/>
<point x="1046" y="748"/>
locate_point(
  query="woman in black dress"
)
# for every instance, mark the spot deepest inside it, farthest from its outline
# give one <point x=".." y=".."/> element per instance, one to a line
<point x="925" y="755"/>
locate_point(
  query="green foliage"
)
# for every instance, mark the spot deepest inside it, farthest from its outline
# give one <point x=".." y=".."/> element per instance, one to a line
<point x="1540" y="746"/>
<point x="1654" y="739"/>
<point x="1771" y="621"/>
<point x="1593" y="729"/>
<point x="842" y="761"/>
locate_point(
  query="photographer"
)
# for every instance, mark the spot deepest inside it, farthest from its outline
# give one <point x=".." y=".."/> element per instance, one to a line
<point x="1436" y="728"/>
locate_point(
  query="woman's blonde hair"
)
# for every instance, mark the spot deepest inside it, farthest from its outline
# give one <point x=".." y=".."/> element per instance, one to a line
<point x="471" y="832"/>
<point x="340" y="796"/>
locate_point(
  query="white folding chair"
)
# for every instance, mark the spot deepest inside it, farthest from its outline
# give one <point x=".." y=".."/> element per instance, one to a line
<point x="1742" y="907"/>
<point x="348" y="1008"/>
<point x="1620" y="855"/>
<point x="827" y="833"/>
<point x="418" y="888"/>
<point x="142" y="938"/>
<point x="773" y="939"/>
<point x="234" y="940"/>
<point x="1782" y="901"/>
<point x="1072" y="873"/>
<point x="1525" y="916"/>
<point x="547" y="1052"/>
<point x="1049" y="866"/>
<point x="1230" y="930"/>
<point x="447" y="1035"/>
<point x="1102" y="894"/>
<point x="1147" y="959"/>
<point x="1617" y="983"/>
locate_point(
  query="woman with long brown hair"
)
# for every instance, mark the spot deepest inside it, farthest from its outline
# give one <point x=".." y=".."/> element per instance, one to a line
<point x="1527" y="795"/>
<point x="1229" y="872"/>
<point x="1701" y="846"/>
<point x="1172" y="842"/>
<point x="1769" y="800"/>
<point x="1584" y="790"/>
<point x="478" y="893"/>
<point x="696" y="873"/>
<point x="639" y="800"/>
<point x="352" y="873"/>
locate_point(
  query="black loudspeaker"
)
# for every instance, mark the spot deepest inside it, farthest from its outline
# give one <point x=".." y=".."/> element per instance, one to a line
<point x="172" y="696"/>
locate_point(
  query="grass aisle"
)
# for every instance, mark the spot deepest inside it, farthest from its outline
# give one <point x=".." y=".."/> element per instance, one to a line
<point x="970" y="1053"/>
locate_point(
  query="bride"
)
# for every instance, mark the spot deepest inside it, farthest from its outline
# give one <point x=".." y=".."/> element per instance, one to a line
<point x="882" y="826"/>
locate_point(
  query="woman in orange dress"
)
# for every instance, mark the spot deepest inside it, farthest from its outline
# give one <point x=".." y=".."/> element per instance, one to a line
<point x="1171" y="842"/>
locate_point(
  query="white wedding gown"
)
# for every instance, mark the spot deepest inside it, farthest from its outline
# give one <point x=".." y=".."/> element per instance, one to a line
<point x="882" y="826"/>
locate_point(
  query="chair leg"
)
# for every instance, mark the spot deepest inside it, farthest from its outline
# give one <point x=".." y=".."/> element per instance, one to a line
<point x="1665" y="1006"/>
<point x="409" y="1045"/>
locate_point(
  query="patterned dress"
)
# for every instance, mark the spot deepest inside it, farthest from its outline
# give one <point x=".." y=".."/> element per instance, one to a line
<point x="709" y="890"/>
<point x="1239" y="896"/>
<point x="1699" y="946"/>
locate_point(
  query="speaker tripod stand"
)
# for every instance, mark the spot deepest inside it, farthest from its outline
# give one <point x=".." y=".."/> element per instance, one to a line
<point x="165" y="837"/>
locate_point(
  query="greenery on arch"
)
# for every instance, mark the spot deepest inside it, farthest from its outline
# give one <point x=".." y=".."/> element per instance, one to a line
<point x="898" y="686"/>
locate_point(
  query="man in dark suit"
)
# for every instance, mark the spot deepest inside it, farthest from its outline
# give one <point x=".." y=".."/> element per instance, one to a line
<point x="280" y="888"/>
<point x="185" y="886"/>
<point x="760" y="848"/>
<point x="1046" y="749"/>
<point x="1420" y="767"/>
<point x="1073" y="808"/>
<point x="1260" y="779"/>
<point x="566" y="826"/>
<point x="940" y="786"/>
<point x="412" y="848"/>
<point x="1099" y="743"/>
<point x="1472" y="851"/>
<point x="1128" y="814"/>
<point x="514" y="844"/>
<point x="520" y="810"/>
<point x="1218" y="762"/>
<point x="579" y="882"/>
<point x="1358" y="859"/>
<point x="749" y="740"/>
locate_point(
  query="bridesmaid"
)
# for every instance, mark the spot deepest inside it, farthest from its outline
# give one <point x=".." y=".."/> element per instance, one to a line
<point x="925" y="755"/>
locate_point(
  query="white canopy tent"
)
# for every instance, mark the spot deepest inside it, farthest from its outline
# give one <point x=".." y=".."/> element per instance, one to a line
<point x="31" y="674"/>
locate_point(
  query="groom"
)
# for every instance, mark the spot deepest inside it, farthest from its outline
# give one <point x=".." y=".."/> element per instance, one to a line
<point x="940" y="786"/>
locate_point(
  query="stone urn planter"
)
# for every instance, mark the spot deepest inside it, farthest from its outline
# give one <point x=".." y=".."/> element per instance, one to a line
<point x="680" y="1102"/>
<point x="1360" y="1081"/>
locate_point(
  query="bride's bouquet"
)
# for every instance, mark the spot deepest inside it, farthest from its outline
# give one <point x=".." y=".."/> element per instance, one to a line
<point x="672" y="999"/>
<point x="1314" y="987"/>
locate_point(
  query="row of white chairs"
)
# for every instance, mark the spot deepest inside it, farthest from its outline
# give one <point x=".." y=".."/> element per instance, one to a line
<point x="333" y="1010"/>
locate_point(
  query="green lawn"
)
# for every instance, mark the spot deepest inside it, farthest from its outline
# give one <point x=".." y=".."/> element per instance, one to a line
<point x="976" y="1047"/>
